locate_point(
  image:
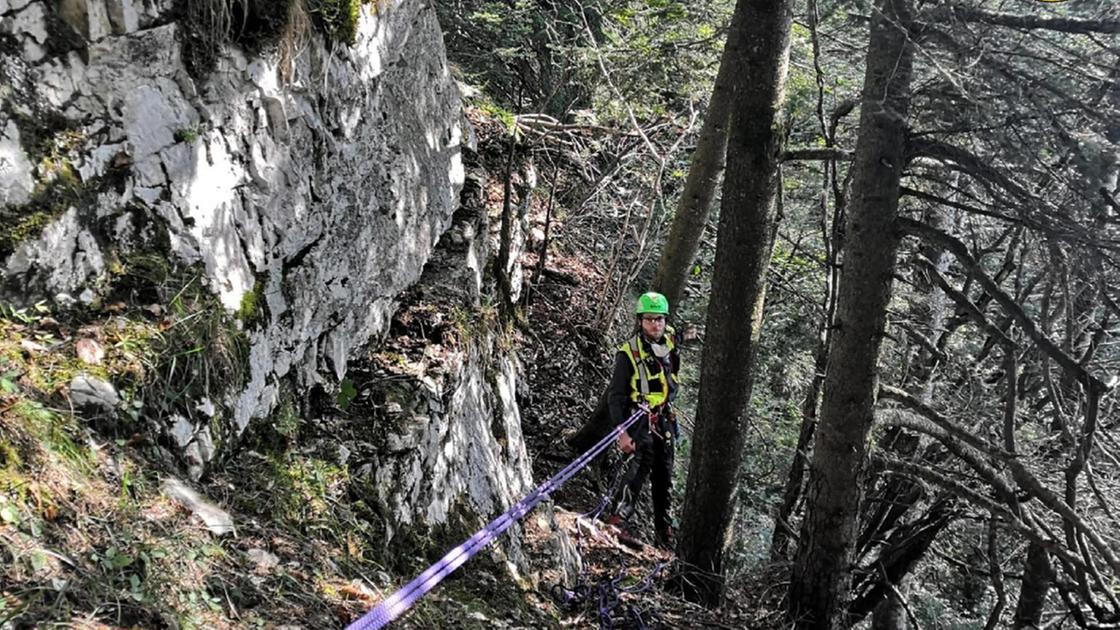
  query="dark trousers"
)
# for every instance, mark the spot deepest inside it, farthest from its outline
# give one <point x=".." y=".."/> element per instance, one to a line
<point x="653" y="460"/>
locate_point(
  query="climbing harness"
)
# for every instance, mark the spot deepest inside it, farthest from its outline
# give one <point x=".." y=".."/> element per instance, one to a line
<point x="391" y="607"/>
<point x="655" y="425"/>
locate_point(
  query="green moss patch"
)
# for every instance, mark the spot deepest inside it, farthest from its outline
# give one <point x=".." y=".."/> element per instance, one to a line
<point x="48" y="201"/>
<point x="253" y="309"/>
<point x="338" y="19"/>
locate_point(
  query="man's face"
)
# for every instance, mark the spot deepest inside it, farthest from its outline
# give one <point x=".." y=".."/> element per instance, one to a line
<point x="653" y="325"/>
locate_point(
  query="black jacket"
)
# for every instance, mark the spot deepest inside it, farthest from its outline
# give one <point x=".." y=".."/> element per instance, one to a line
<point x="618" y="400"/>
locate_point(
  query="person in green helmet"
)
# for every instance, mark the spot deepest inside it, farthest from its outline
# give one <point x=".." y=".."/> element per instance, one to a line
<point x="645" y="371"/>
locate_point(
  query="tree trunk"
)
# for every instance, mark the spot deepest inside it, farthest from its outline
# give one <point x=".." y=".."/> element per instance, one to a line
<point x="890" y="613"/>
<point x="704" y="172"/>
<point x="783" y="529"/>
<point x="891" y="500"/>
<point x="821" y="575"/>
<point x="1037" y="575"/>
<point x="743" y="247"/>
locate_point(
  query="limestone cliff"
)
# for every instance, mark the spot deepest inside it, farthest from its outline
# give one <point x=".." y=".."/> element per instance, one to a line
<point x="322" y="195"/>
<point x="309" y="187"/>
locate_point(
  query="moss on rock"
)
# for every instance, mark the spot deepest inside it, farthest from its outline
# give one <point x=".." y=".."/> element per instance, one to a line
<point x="338" y="19"/>
<point x="253" y="309"/>
<point x="50" y="141"/>
<point x="49" y="200"/>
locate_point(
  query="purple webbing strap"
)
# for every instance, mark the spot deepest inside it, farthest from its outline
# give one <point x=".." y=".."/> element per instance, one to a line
<point x="400" y="601"/>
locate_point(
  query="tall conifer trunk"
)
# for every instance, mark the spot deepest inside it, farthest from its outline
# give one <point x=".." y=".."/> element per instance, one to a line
<point x="704" y="170"/>
<point x="1037" y="577"/>
<point x="748" y="217"/>
<point x="822" y="575"/>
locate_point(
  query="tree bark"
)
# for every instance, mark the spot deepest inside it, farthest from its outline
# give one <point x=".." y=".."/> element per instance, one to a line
<point x="744" y="241"/>
<point x="890" y="613"/>
<point x="821" y="574"/>
<point x="892" y="500"/>
<point x="704" y="173"/>
<point x="1037" y="576"/>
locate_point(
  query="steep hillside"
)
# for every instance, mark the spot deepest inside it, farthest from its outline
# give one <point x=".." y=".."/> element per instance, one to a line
<point x="240" y="384"/>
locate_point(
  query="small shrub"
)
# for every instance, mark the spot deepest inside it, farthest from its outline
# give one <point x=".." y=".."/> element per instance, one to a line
<point x="187" y="135"/>
<point x="201" y="353"/>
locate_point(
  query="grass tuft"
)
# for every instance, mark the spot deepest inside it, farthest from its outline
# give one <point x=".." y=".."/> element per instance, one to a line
<point x="257" y="24"/>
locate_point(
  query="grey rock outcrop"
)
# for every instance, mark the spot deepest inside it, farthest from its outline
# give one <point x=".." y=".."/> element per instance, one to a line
<point x="461" y="437"/>
<point x="324" y="194"/>
<point x="447" y="447"/>
<point x="15" y="169"/>
<point x="451" y="440"/>
<point x="217" y="520"/>
<point x="65" y="256"/>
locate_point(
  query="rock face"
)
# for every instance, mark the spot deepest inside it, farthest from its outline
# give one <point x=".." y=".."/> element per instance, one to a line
<point x="457" y="444"/>
<point x="433" y="435"/>
<point x="322" y="194"/>
<point x="321" y="197"/>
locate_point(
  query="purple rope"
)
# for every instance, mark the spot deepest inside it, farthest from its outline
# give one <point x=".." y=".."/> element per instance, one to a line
<point x="619" y="469"/>
<point x="610" y="599"/>
<point x="400" y="601"/>
<point x="646" y="582"/>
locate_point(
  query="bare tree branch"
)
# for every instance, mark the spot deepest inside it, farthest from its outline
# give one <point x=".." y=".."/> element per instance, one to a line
<point x="971" y="310"/>
<point x="826" y="153"/>
<point x="1013" y="308"/>
<point x="960" y="490"/>
<point x="1025" y="22"/>
<point x="996" y="575"/>
<point x="970" y="163"/>
<point x="951" y="439"/>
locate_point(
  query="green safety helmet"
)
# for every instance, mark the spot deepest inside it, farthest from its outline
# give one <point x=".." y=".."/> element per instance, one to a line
<point x="652" y="303"/>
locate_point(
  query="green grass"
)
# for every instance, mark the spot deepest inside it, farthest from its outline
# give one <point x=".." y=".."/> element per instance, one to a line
<point x="87" y="537"/>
